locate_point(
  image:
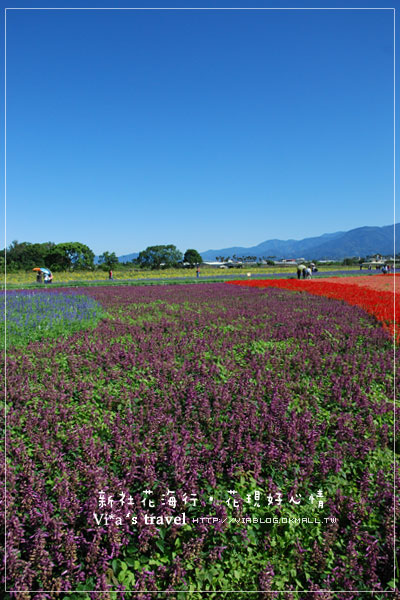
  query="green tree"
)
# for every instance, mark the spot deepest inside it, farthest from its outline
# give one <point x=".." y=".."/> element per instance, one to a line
<point x="155" y="257"/>
<point x="192" y="257"/>
<point x="71" y="256"/>
<point x="108" y="259"/>
<point x="26" y="255"/>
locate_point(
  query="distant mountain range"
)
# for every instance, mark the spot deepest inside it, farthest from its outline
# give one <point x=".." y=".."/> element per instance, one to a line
<point x="128" y="257"/>
<point x="362" y="241"/>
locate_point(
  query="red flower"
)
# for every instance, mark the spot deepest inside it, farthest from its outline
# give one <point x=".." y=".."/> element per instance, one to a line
<point x="383" y="304"/>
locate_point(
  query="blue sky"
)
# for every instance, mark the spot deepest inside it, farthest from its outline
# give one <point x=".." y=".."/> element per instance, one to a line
<point x="203" y="128"/>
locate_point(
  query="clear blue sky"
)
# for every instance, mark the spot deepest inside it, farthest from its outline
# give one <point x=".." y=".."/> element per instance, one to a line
<point x="204" y="129"/>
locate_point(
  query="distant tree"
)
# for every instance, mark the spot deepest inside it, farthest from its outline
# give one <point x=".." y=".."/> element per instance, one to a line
<point x="71" y="256"/>
<point x="108" y="259"/>
<point x="192" y="257"/>
<point x="350" y="261"/>
<point x="155" y="257"/>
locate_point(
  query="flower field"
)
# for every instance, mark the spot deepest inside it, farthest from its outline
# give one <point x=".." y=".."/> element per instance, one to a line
<point x="375" y="294"/>
<point x="33" y="316"/>
<point x="203" y="438"/>
<point x="28" y="277"/>
<point x="379" y="283"/>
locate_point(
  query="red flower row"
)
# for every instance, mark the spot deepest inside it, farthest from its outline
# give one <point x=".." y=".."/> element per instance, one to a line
<point x="383" y="305"/>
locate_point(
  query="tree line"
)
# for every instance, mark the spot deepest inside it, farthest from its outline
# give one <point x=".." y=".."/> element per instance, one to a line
<point x="75" y="256"/>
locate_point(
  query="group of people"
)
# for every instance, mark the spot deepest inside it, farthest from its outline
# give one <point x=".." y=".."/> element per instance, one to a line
<point x="384" y="268"/>
<point x="44" y="277"/>
<point x="304" y="272"/>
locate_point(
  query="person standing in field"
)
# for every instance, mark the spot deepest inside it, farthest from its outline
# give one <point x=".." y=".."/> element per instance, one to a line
<point x="110" y="275"/>
<point x="307" y="273"/>
<point x="300" y="270"/>
<point x="198" y="271"/>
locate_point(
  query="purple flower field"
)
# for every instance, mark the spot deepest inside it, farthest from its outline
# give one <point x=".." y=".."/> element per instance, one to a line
<point x="203" y="438"/>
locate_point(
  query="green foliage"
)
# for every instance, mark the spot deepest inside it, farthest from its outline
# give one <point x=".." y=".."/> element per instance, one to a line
<point x="70" y="256"/>
<point x="56" y="257"/>
<point x="155" y="257"/>
<point x="192" y="257"/>
<point x="108" y="259"/>
<point x="26" y="256"/>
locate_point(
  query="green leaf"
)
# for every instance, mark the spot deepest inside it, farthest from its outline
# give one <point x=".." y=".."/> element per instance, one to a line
<point x="122" y="576"/>
<point x="130" y="562"/>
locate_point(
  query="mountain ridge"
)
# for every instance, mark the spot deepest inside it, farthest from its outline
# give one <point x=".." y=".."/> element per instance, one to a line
<point x="360" y="241"/>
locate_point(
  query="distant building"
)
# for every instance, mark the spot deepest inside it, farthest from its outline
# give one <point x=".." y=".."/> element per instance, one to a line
<point x="289" y="261"/>
<point x="222" y="265"/>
